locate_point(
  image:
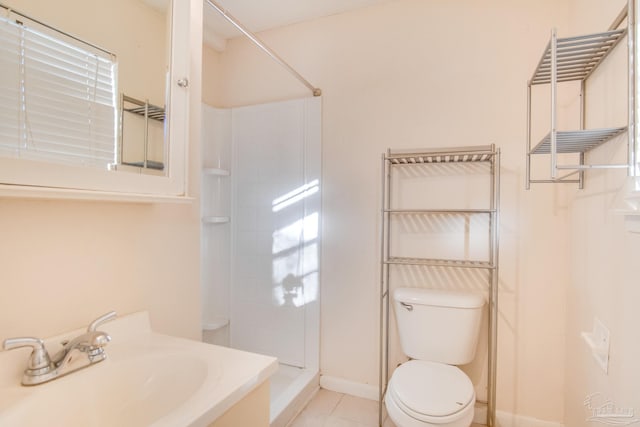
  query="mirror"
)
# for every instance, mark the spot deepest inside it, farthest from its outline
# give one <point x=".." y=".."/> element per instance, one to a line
<point x="24" y="176"/>
<point x="137" y="33"/>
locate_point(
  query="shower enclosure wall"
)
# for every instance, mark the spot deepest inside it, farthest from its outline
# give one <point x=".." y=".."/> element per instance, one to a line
<point x="261" y="239"/>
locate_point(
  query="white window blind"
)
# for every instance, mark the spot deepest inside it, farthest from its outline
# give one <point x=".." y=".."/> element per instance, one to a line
<point x="57" y="99"/>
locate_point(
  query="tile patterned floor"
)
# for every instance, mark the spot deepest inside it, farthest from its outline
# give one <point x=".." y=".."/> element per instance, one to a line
<point x="331" y="409"/>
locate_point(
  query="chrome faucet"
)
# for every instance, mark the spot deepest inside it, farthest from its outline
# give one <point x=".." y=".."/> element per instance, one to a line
<point x="80" y="352"/>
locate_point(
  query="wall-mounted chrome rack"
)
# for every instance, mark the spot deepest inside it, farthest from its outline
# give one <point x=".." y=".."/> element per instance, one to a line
<point x="567" y="60"/>
<point x="459" y="156"/>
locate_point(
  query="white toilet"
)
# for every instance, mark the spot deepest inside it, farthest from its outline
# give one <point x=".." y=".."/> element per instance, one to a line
<point x="437" y="329"/>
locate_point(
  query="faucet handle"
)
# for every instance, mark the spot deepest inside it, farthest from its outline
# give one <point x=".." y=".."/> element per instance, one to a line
<point x="100" y="320"/>
<point x="39" y="362"/>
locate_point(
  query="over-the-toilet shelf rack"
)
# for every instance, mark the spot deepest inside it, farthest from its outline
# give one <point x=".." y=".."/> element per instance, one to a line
<point x="573" y="59"/>
<point x="452" y="156"/>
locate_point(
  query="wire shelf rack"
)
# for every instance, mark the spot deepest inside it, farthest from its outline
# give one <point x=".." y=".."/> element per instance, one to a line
<point x="445" y="155"/>
<point x="569" y="59"/>
<point x="578" y="141"/>
<point x="577" y="57"/>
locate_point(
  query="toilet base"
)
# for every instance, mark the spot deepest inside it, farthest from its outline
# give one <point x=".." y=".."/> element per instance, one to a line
<point x="402" y="419"/>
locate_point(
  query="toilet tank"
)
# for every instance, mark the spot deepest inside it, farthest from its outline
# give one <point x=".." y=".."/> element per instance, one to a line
<point x="438" y="325"/>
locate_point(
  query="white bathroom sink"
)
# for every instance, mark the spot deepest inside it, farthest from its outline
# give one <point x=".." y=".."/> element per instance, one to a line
<point x="147" y="379"/>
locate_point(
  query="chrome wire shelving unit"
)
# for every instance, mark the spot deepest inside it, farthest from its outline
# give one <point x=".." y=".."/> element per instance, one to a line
<point x="452" y="157"/>
<point x="574" y="59"/>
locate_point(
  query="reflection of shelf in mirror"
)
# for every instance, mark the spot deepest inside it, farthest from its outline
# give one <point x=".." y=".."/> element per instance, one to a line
<point x="152" y="111"/>
<point x="216" y="172"/>
<point x="143" y="108"/>
<point x="151" y="164"/>
<point x="215" y="219"/>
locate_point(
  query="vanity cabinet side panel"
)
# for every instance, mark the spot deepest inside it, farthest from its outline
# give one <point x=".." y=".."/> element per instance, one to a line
<point x="252" y="410"/>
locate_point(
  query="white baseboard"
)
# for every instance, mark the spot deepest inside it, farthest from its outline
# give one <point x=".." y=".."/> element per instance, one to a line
<point x="340" y="385"/>
<point x="367" y="391"/>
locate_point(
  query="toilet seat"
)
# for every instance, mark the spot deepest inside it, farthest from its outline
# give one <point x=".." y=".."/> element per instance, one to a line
<point x="431" y="393"/>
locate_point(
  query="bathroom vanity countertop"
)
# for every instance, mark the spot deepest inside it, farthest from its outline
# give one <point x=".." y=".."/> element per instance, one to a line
<point x="147" y="379"/>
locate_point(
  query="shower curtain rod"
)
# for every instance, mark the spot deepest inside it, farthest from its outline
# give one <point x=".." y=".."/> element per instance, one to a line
<point x="316" y="91"/>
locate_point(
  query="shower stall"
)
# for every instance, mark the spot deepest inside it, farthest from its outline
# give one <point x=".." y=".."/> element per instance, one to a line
<point x="261" y="215"/>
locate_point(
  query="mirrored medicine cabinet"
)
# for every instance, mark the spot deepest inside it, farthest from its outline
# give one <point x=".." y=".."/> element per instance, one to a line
<point x="132" y="133"/>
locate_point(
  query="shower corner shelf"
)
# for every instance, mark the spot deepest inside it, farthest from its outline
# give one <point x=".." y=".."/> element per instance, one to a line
<point x="216" y="172"/>
<point x="215" y="219"/>
<point x="423" y="159"/>
<point x="215" y="324"/>
<point x="572" y="59"/>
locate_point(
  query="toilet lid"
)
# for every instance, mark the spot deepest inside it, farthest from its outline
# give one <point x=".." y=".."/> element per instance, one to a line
<point x="431" y="389"/>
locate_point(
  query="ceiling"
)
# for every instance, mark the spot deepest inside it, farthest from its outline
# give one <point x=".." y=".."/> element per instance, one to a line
<point x="260" y="15"/>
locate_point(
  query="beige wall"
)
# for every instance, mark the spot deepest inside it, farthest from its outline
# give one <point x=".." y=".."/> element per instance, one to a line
<point x="604" y="266"/>
<point x="212" y="82"/>
<point x="64" y="263"/>
<point x="413" y="73"/>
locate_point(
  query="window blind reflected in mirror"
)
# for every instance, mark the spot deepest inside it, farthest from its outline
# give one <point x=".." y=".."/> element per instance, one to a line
<point x="57" y="98"/>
